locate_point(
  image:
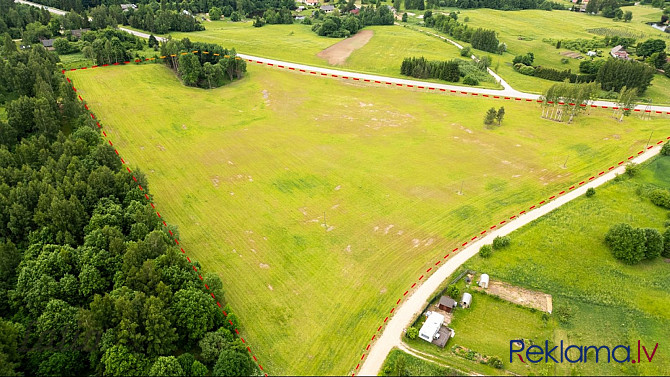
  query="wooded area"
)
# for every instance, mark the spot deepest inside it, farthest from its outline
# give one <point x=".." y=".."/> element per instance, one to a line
<point x="90" y="279"/>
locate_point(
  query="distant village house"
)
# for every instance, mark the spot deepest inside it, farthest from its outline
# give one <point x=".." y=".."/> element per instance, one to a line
<point x="619" y="53"/>
<point x="127" y="7"/>
<point x="327" y="8"/>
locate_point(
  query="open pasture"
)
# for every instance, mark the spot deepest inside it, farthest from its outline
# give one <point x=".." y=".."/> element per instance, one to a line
<point x="318" y="200"/>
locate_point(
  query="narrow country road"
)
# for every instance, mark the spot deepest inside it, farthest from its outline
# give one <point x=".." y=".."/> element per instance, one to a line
<point x="409" y="309"/>
<point x="508" y="91"/>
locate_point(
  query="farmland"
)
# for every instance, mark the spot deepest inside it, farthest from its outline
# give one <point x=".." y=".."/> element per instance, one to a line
<point x="383" y="54"/>
<point x="306" y="194"/>
<point x="524" y="31"/>
<point x="564" y="254"/>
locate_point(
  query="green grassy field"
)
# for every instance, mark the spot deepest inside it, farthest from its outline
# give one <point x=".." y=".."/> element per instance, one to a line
<point x="249" y="170"/>
<point x="523" y="31"/>
<point x="383" y="54"/>
<point x="564" y="254"/>
<point x="399" y="363"/>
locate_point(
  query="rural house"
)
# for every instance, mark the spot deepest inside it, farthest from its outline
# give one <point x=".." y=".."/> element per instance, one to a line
<point x="78" y="32"/>
<point x="311" y="2"/>
<point x="619" y="53"/>
<point x="48" y="44"/>
<point x="127" y="7"/>
<point x="447" y="304"/>
<point x="431" y="327"/>
<point x="466" y="301"/>
<point x="484" y="281"/>
<point x="327" y="8"/>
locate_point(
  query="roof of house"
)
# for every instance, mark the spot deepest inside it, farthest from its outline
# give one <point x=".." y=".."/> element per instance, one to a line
<point x="47" y="42"/>
<point x="311" y="1"/>
<point x="484" y="277"/>
<point x="354" y="11"/>
<point x="128" y="6"/>
<point x="617" y="49"/>
<point x="447" y="301"/>
<point x="431" y="326"/>
<point x="78" y="32"/>
<point x="327" y="7"/>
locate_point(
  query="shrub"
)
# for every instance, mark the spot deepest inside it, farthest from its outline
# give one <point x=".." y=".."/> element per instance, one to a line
<point x="470" y="80"/>
<point x="235" y="17"/>
<point x="666" y="244"/>
<point x="526" y="70"/>
<point x="500" y="242"/>
<point x="453" y="292"/>
<point x="485" y="251"/>
<point x="526" y="59"/>
<point x="590" y="192"/>
<point x="412" y="332"/>
<point x="665" y="151"/>
<point x="466" y="51"/>
<point x="632" y="169"/>
<point x="660" y="197"/>
<point x="495" y="362"/>
<point x="563" y="314"/>
<point x="627" y="243"/>
<point x="653" y="244"/>
<point x="565" y="61"/>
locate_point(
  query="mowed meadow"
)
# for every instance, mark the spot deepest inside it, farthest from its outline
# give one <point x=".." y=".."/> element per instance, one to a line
<point x="319" y="201"/>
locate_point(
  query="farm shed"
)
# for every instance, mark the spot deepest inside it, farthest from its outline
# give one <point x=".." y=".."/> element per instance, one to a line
<point x="484" y="281"/>
<point x="467" y="300"/>
<point x="447" y="303"/>
<point x="431" y="327"/>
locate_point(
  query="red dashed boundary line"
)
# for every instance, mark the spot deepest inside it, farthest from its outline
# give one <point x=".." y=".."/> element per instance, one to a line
<point x="453" y="91"/>
<point x="463" y="244"/>
<point x="158" y="213"/>
<point x="483" y="232"/>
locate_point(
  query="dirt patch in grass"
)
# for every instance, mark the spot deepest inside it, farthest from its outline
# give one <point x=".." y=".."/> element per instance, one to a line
<point x="338" y="53"/>
<point x="522" y="296"/>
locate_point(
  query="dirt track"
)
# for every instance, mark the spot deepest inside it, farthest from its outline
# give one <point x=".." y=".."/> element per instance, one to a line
<point x="338" y="53"/>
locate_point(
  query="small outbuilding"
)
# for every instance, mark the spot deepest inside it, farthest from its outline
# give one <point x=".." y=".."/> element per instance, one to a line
<point x="431" y="327"/>
<point x="466" y="300"/>
<point x="447" y="304"/>
<point x="484" y="281"/>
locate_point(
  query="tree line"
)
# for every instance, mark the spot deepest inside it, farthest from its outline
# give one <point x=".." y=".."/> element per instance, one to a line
<point x="480" y="38"/>
<point x="492" y="4"/>
<point x="424" y="69"/>
<point x="210" y="67"/>
<point x="566" y="99"/>
<point x="91" y="282"/>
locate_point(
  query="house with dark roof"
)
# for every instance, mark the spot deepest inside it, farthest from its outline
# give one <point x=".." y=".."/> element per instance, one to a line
<point x="78" y="32"/>
<point x="48" y="44"/>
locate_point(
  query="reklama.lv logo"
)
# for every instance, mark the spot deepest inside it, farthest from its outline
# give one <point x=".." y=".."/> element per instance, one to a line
<point x="537" y="354"/>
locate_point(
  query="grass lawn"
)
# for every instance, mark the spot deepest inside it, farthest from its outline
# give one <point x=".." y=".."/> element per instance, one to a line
<point x="564" y="254"/>
<point x="76" y="60"/>
<point x="248" y="171"/>
<point x="523" y="31"/>
<point x="399" y="363"/>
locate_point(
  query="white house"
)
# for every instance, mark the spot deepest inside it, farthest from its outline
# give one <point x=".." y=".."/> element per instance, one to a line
<point x="127" y="7"/>
<point x="484" y="281"/>
<point x="431" y="327"/>
<point x="466" y="300"/>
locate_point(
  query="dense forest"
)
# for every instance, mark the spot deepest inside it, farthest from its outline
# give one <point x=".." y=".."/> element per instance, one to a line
<point x="91" y="281"/>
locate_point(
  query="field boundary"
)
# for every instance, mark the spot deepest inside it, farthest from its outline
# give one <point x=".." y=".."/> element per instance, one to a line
<point x="160" y="217"/>
<point x="456" y="249"/>
<point x="383" y="82"/>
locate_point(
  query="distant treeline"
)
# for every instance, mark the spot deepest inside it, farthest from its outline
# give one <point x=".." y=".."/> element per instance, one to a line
<point x="210" y="70"/>
<point x="493" y="4"/>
